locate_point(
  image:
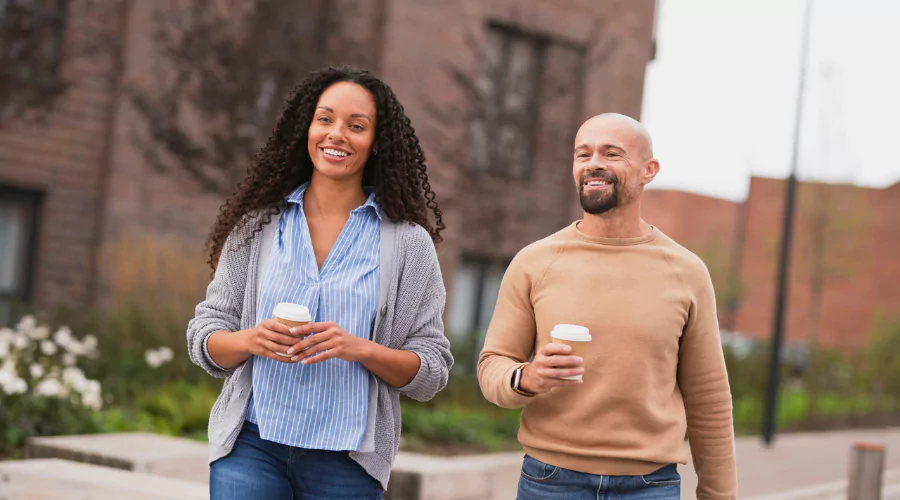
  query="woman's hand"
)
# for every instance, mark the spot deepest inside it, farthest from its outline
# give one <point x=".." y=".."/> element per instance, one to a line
<point x="270" y="339"/>
<point x="326" y="341"/>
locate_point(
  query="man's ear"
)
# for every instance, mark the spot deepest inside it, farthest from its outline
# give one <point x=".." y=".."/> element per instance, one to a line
<point x="649" y="172"/>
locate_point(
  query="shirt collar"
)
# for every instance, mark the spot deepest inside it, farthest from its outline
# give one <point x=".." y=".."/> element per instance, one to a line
<point x="296" y="196"/>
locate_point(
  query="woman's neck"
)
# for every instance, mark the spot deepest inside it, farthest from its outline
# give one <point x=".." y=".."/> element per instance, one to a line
<point x="329" y="198"/>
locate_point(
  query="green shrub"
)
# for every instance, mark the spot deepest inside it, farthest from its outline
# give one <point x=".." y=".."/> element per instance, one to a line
<point x="127" y="334"/>
<point x="43" y="391"/>
<point x="177" y="408"/>
<point x="479" y="429"/>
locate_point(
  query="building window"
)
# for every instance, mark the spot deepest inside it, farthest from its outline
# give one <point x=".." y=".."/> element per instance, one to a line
<point x="19" y="213"/>
<point x="472" y="302"/>
<point x="31" y="39"/>
<point x="504" y="129"/>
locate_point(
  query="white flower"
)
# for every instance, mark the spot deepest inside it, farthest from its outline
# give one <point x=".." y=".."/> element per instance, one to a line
<point x="69" y="359"/>
<point x="15" y="386"/>
<point x="4" y="348"/>
<point x="39" y="333"/>
<point x="63" y="336"/>
<point x="89" y="343"/>
<point x="158" y="357"/>
<point x="91" y="396"/>
<point x="48" y="348"/>
<point x="74" y="378"/>
<point x="26" y="324"/>
<point x="37" y="371"/>
<point x="6" y="334"/>
<point x="74" y="347"/>
<point x="153" y="358"/>
<point x="10" y="381"/>
<point x="51" y="388"/>
<point x="9" y="366"/>
<point x="20" y="342"/>
<point x="19" y="386"/>
<point x="166" y="354"/>
<point x="6" y="376"/>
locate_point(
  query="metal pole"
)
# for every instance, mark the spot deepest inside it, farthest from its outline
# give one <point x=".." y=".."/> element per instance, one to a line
<point x="866" y="471"/>
<point x="773" y="392"/>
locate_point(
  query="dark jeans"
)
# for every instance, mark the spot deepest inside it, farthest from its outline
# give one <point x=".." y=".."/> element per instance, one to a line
<point x="540" y="481"/>
<point x="257" y="468"/>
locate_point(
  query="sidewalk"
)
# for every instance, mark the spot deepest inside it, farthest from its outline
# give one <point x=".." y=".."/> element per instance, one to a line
<point x="803" y="462"/>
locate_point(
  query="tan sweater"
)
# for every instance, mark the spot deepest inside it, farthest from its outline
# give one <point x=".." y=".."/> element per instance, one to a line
<point x="653" y="372"/>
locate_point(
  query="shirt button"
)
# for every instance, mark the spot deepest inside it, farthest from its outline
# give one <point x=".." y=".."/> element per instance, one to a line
<point x="383" y="310"/>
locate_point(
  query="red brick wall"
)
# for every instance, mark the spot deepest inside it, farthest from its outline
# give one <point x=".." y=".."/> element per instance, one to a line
<point x="699" y="223"/>
<point x="423" y="38"/>
<point x="152" y="228"/>
<point x="859" y="273"/>
<point x="157" y="225"/>
<point x="63" y="157"/>
<point x="854" y="257"/>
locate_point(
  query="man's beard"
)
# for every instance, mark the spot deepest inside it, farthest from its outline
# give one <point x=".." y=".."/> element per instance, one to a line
<point x="597" y="203"/>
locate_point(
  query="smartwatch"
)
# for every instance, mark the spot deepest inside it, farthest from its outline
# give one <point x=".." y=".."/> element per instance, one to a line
<point x="517" y="379"/>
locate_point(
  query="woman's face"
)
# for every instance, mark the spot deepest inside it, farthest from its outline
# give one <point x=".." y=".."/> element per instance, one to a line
<point x="342" y="131"/>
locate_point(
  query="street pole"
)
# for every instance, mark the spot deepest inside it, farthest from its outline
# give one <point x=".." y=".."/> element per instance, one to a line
<point x="784" y="267"/>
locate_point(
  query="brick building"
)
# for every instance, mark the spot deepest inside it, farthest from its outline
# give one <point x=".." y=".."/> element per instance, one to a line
<point x="845" y="257"/>
<point x="84" y="220"/>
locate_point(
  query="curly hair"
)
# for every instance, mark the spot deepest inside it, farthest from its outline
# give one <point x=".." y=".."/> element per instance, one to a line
<point x="397" y="173"/>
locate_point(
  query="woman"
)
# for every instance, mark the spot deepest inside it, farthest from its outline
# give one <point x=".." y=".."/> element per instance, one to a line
<point x="334" y="215"/>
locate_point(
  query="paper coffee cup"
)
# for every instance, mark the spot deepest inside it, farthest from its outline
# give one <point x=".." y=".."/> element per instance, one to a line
<point x="574" y="336"/>
<point x="291" y="315"/>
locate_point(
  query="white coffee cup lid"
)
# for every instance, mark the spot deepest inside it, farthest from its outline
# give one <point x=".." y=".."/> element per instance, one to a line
<point x="291" y="312"/>
<point x="573" y="333"/>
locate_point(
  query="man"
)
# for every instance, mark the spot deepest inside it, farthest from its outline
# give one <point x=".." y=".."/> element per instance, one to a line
<point x="654" y="369"/>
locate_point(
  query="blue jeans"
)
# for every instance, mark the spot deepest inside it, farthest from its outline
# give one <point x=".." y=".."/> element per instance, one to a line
<point x="540" y="481"/>
<point x="257" y="468"/>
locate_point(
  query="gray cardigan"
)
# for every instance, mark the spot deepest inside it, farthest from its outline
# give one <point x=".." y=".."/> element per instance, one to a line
<point x="410" y="304"/>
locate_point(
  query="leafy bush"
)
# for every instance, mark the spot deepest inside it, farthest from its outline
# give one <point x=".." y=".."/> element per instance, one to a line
<point x="43" y="391"/>
<point x="137" y="341"/>
<point x="479" y="429"/>
<point x="879" y="372"/>
<point x="176" y="408"/>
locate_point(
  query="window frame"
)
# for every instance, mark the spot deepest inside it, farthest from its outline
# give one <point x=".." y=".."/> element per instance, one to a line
<point x="56" y="12"/>
<point x="34" y="200"/>
<point x="483" y="265"/>
<point x="538" y="43"/>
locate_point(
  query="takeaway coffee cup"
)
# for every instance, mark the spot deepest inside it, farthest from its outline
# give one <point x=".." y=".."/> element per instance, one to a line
<point x="291" y="315"/>
<point x="574" y="336"/>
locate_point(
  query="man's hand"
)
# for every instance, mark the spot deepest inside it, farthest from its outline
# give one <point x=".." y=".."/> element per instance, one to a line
<point x="552" y="362"/>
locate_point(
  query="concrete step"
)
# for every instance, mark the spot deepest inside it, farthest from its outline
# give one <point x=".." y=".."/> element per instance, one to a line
<point x="139" y="452"/>
<point x="52" y="478"/>
<point x="413" y="477"/>
<point x="493" y="476"/>
<point x="835" y="490"/>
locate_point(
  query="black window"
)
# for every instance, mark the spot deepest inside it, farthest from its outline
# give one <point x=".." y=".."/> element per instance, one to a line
<point x="31" y="39"/>
<point x="471" y="305"/>
<point x="19" y="214"/>
<point x="503" y="133"/>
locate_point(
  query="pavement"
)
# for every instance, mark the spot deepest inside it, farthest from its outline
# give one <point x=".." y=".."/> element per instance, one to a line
<point x="801" y="466"/>
<point x="804" y="465"/>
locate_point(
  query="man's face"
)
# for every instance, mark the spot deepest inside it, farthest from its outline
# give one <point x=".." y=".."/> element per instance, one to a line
<point x="609" y="160"/>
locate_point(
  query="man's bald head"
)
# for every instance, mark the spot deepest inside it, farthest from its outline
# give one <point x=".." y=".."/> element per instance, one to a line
<point x="624" y="126"/>
<point x="613" y="161"/>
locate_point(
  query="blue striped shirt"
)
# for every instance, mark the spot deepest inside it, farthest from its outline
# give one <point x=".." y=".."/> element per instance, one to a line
<point x="321" y="406"/>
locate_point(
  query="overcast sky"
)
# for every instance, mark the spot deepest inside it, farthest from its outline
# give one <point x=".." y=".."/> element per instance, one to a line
<point x="720" y="98"/>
